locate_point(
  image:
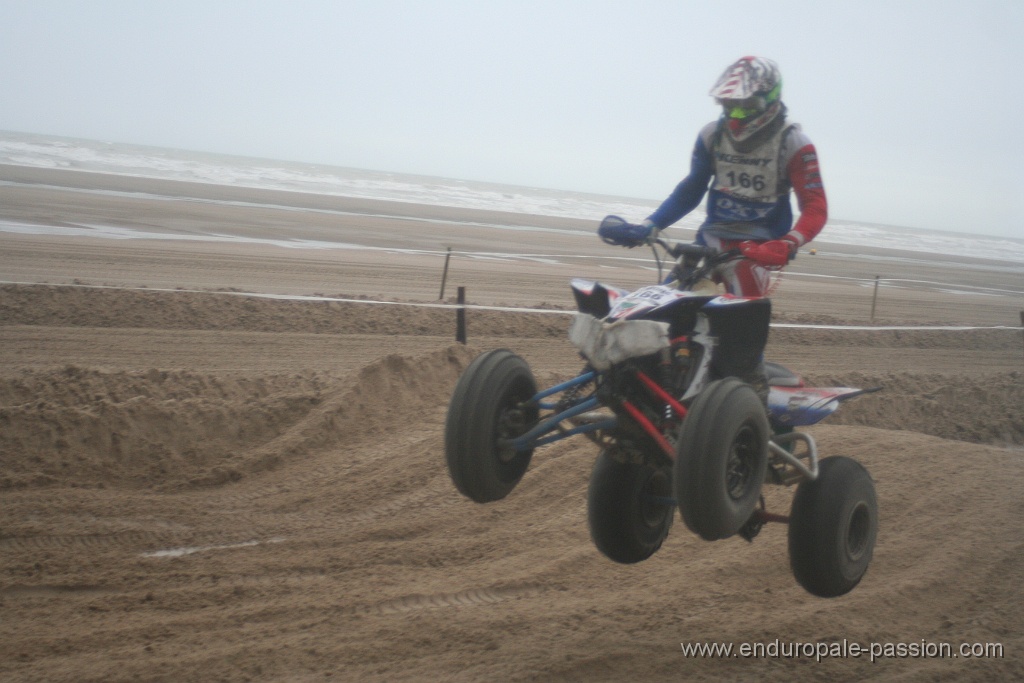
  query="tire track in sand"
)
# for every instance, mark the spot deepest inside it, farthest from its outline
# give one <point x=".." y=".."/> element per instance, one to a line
<point x="129" y="540"/>
<point x="473" y="597"/>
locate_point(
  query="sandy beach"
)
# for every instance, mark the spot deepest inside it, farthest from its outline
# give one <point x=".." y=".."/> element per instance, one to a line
<point x="197" y="484"/>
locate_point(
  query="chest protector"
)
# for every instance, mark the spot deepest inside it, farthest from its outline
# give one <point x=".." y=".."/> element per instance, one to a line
<point x="748" y="188"/>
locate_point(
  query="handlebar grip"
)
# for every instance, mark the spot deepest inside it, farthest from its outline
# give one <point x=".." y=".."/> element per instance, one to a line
<point x="694" y="251"/>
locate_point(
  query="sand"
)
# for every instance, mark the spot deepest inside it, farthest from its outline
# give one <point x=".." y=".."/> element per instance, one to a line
<point x="198" y="485"/>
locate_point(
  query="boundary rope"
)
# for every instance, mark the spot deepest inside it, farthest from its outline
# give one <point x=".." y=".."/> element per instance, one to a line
<point x="480" y="307"/>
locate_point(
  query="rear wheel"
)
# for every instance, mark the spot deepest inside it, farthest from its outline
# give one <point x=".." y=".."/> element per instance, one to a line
<point x="721" y="460"/>
<point x="486" y="408"/>
<point x="833" y="525"/>
<point x="629" y="508"/>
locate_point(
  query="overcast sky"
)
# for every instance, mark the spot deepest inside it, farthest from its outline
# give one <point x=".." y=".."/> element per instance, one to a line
<point x="916" y="108"/>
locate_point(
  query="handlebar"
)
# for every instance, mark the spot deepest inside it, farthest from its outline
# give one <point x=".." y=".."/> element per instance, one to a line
<point x="687" y="250"/>
<point x="693" y="261"/>
<point x="695" y="252"/>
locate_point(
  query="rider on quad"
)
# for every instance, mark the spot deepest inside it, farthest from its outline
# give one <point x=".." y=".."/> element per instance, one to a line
<point x="747" y="162"/>
<point x="751" y="157"/>
<point x="674" y="388"/>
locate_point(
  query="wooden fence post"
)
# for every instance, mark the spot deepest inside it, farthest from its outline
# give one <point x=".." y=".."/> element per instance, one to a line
<point x="460" y="317"/>
<point x="874" y="299"/>
<point x="444" y="275"/>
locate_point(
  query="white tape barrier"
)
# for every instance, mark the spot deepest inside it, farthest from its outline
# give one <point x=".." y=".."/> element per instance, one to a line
<point x="507" y="309"/>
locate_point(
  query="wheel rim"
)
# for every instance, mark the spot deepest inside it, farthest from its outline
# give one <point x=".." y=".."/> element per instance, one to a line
<point x="739" y="468"/>
<point x="510" y="425"/>
<point x="513" y="420"/>
<point x="858" y="531"/>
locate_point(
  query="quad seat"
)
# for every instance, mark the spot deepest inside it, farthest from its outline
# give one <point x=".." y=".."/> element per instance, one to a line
<point x="781" y="376"/>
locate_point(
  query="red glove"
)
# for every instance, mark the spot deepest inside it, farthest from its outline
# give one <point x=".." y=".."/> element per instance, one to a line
<point x="773" y="253"/>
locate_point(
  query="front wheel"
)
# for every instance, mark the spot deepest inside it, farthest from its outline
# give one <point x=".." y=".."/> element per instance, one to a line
<point x="721" y="459"/>
<point x="833" y="525"/>
<point x="629" y="508"/>
<point x="487" y="408"/>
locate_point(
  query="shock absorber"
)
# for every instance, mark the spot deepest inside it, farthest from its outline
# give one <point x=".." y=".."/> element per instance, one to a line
<point x="666" y="370"/>
<point x="680" y="349"/>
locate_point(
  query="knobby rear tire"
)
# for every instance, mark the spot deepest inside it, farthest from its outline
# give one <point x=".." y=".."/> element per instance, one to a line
<point x="627" y="510"/>
<point x="833" y="525"/>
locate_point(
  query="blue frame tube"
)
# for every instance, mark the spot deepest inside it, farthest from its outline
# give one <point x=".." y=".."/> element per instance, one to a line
<point x="582" y="429"/>
<point x="574" y="382"/>
<point x="523" y="441"/>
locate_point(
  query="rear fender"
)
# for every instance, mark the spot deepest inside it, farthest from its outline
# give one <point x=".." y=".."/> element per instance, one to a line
<point x="801" y="406"/>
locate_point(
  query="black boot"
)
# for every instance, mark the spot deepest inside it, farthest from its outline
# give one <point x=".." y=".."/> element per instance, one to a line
<point x="758" y="379"/>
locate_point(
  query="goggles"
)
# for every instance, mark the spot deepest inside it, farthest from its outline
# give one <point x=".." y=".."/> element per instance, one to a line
<point x="752" y="106"/>
<point x="740" y="112"/>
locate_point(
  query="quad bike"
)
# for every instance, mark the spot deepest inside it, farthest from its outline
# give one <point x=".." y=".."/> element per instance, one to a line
<point x="660" y="394"/>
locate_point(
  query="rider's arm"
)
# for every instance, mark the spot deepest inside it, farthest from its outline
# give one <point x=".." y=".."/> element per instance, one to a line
<point x="689" y="191"/>
<point x="805" y="177"/>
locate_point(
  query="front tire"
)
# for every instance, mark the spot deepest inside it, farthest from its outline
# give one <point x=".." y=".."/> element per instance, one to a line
<point x="721" y="459"/>
<point x="486" y="408"/>
<point x="627" y="508"/>
<point x="833" y="526"/>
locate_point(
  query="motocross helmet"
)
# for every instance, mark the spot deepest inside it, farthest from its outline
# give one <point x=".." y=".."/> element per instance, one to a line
<point x="750" y="93"/>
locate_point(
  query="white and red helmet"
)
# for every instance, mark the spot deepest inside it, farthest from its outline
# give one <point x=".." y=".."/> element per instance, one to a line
<point x="754" y="81"/>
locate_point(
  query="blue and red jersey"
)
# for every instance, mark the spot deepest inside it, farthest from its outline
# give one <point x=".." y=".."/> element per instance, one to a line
<point x="748" y="191"/>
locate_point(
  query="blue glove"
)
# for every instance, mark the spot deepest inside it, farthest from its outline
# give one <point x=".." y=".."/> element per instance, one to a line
<point x="615" y="230"/>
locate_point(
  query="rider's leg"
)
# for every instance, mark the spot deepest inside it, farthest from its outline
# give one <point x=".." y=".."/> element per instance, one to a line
<point x="745" y="278"/>
<point x="758" y="379"/>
